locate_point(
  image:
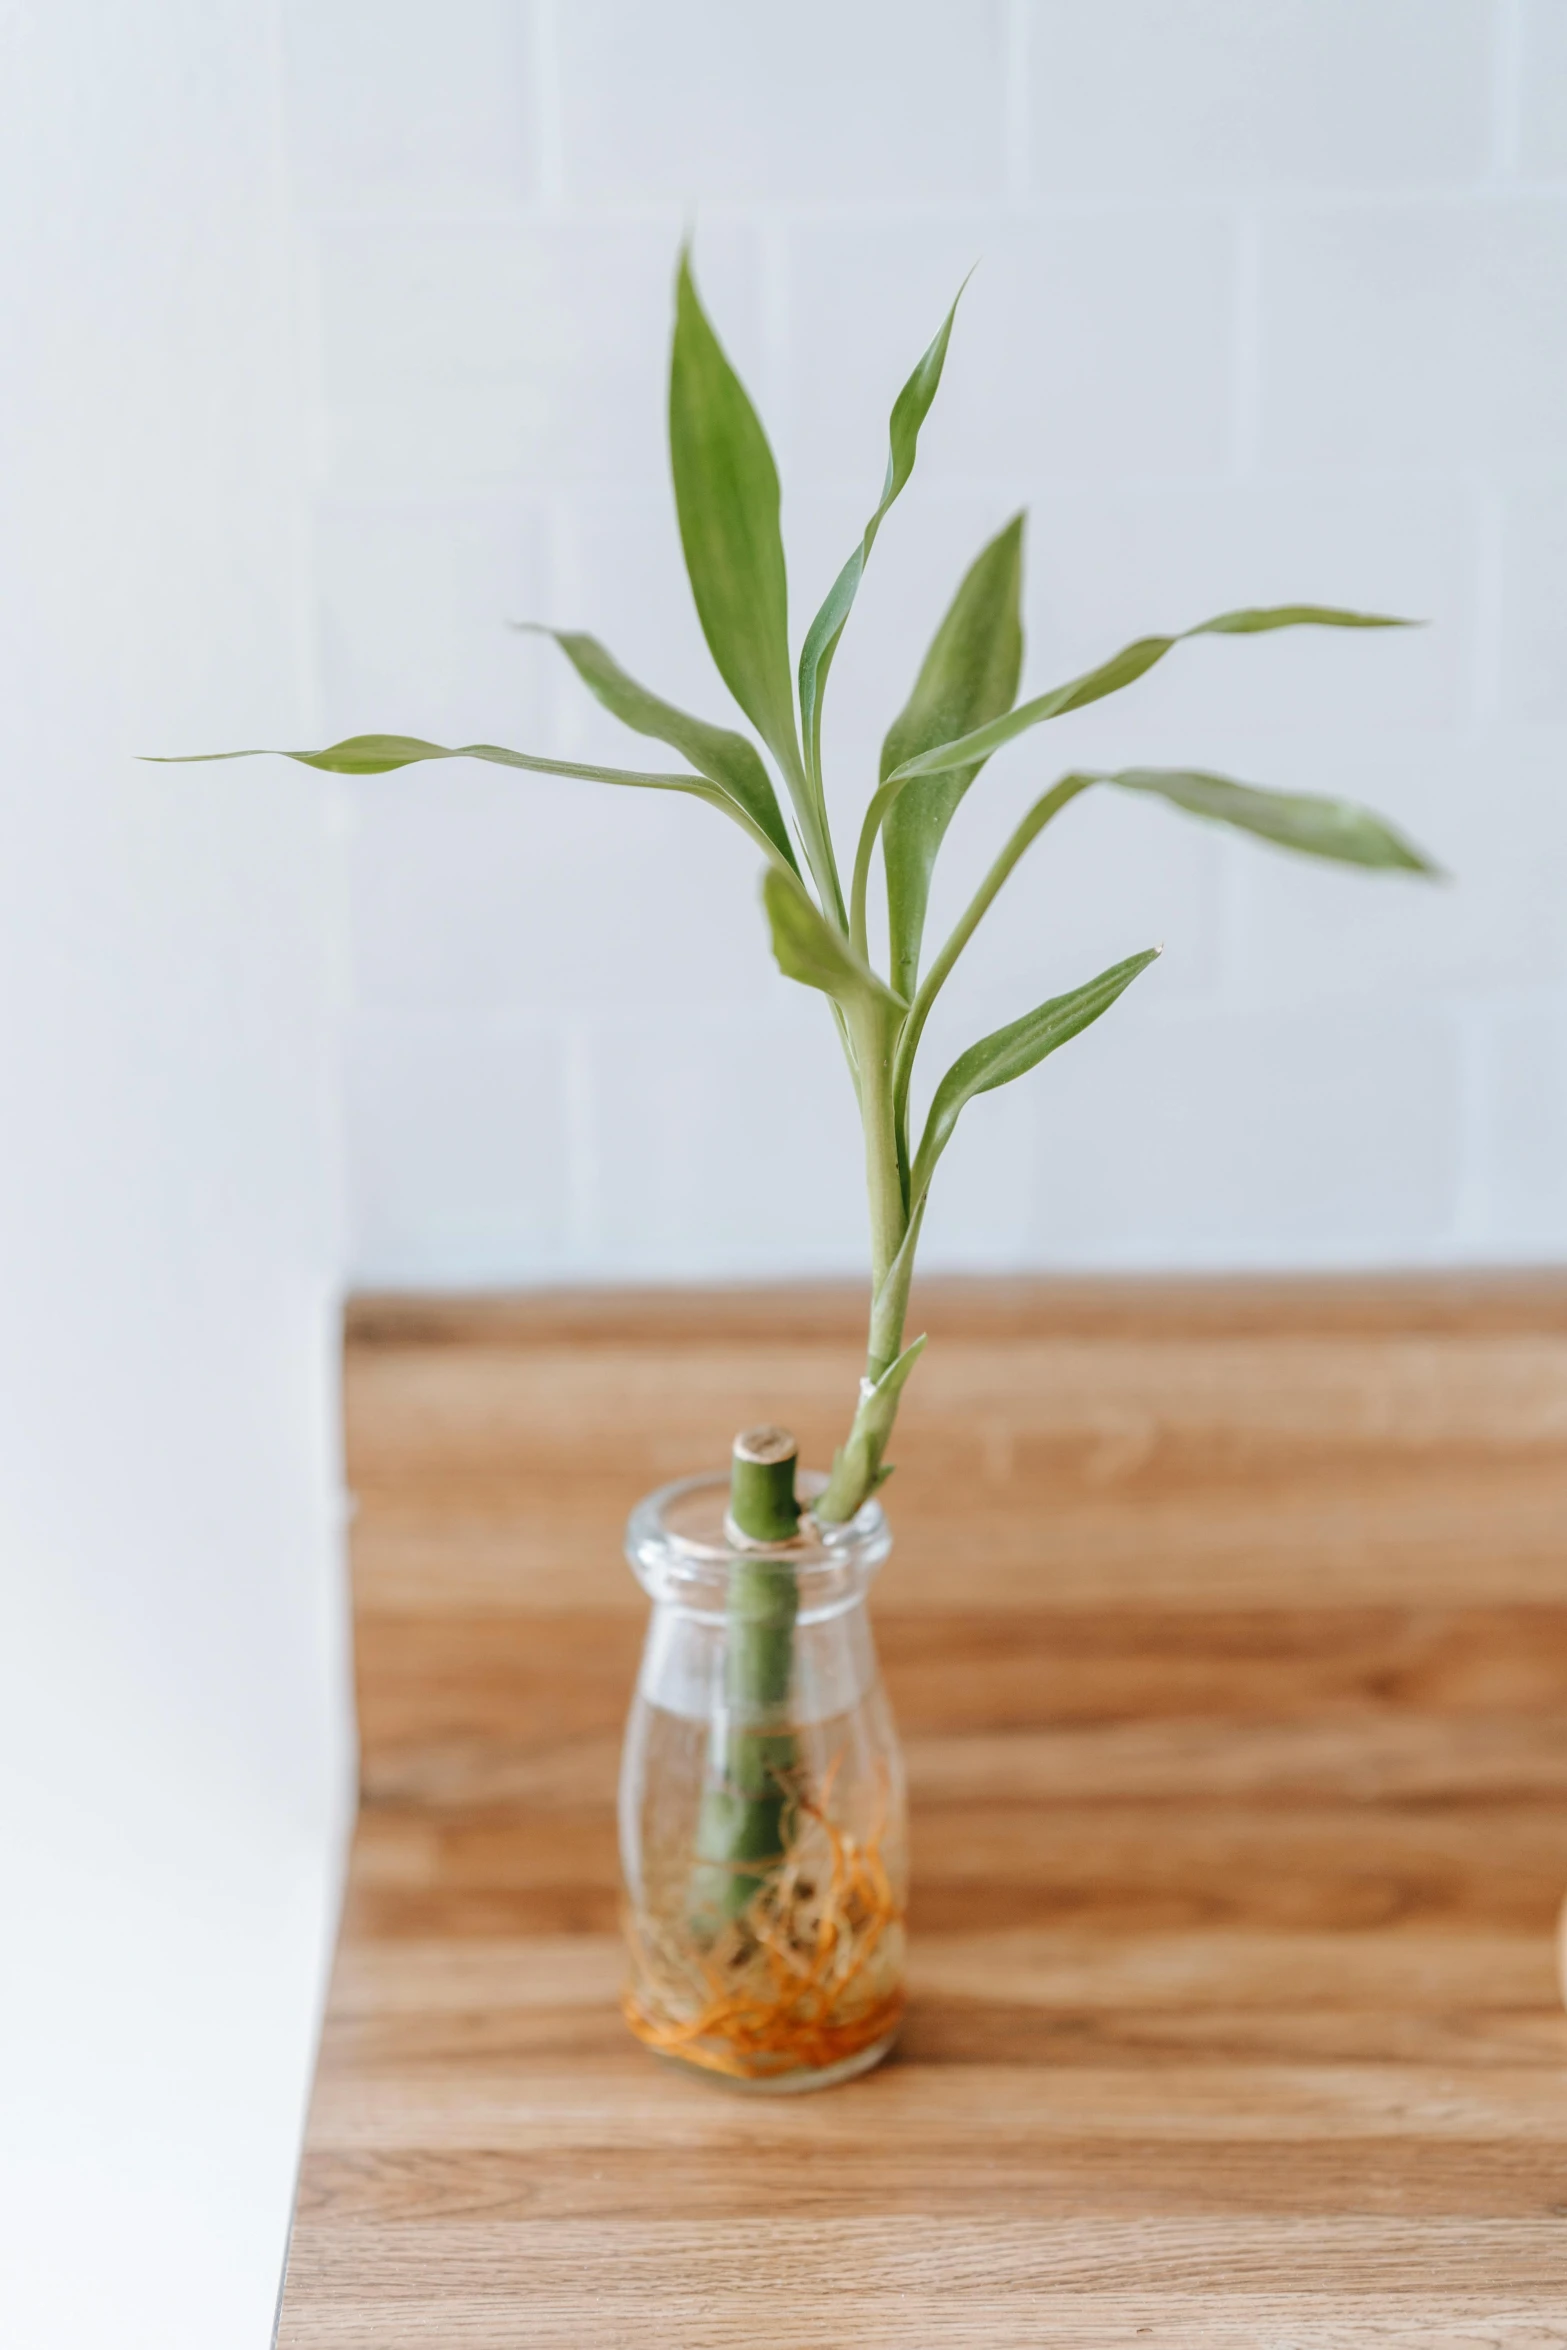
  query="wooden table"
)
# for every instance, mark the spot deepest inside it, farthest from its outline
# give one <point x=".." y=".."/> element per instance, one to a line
<point x="1227" y="1630"/>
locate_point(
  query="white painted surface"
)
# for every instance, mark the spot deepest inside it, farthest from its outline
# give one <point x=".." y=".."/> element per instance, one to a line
<point x="173" y="1716"/>
<point x="1269" y="306"/>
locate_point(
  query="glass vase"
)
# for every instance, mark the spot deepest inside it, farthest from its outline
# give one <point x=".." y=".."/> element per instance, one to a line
<point x="763" y="1834"/>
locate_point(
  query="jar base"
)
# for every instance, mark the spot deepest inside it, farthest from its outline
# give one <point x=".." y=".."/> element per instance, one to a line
<point x="790" y="2084"/>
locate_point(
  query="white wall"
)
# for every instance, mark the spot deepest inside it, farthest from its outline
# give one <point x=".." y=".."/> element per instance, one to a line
<point x="1269" y="305"/>
<point x="172" y="1705"/>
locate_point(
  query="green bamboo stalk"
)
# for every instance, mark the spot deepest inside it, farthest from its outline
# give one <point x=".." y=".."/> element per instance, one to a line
<point x="744" y="1814"/>
<point x="857" y="1468"/>
<point x="963" y="708"/>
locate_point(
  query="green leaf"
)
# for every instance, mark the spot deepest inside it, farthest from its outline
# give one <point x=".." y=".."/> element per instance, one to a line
<point x="378" y="754"/>
<point x="808" y="948"/>
<point x="857" y="1468"/>
<point x="968" y="677"/>
<point x="725" y="758"/>
<point x="726" y="494"/>
<point x="1123" y="669"/>
<point x="909" y="412"/>
<point x="891" y="1384"/>
<point x="1257" y="620"/>
<point x="1294" y="820"/>
<point x="1011" y="1052"/>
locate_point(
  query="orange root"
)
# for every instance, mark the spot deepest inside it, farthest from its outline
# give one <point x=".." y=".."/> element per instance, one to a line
<point x="809" y="1975"/>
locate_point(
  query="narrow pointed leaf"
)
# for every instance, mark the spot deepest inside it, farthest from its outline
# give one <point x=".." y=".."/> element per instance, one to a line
<point x="808" y="948"/>
<point x="968" y="677"/>
<point x="1123" y="669"/>
<point x="724" y="757"/>
<point x="1312" y="826"/>
<point x="1010" y="1052"/>
<point x="726" y="495"/>
<point x="379" y="754"/>
<point x="891" y="1384"/>
<point x="858" y="1468"/>
<point x="1302" y="821"/>
<point x="1258" y="619"/>
<point x="909" y="412"/>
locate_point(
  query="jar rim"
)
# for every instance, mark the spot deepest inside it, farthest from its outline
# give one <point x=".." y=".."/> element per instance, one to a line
<point x="677" y="1545"/>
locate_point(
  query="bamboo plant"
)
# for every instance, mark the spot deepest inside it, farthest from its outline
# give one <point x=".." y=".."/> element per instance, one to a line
<point x="963" y="708"/>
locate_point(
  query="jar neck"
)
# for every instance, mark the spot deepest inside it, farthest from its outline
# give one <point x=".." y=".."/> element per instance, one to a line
<point x="683" y="1556"/>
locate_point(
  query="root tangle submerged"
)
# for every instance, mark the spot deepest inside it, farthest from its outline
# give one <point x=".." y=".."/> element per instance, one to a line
<point x="806" y="1977"/>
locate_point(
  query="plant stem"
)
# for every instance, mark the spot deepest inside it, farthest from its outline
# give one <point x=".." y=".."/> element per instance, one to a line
<point x="1060" y="796"/>
<point x="810" y="807"/>
<point x="762" y="1503"/>
<point x="744" y="1807"/>
<point x="875" y="1039"/>
<point x="857" y="1469"/>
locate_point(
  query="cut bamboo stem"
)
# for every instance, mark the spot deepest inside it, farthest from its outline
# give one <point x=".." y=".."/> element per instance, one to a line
<point x="742" y="1828"/>
<point x="762" y="1504"/>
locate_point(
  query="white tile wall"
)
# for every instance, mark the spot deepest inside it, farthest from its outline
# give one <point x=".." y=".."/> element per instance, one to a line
<point x="1533" y="647"/>
<point x="1163" y="96"/>
<point x="1542" y="128"/>
<point x="1305" y="1137"/>
<point x="1092" y="346"/>
<point x="381" y="114"/>
<point x="825" y="102"/>
<point x="1272" y="303"/>
<point x="1416" y="334"/>
<point x="707" y="1127"/>
<point x="1526" y="1126"/>
<point x="410" y="595"/>
<point x="421" y="1093"/>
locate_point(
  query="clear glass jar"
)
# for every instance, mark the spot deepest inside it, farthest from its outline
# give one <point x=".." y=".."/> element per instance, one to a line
<point x="763" y="1833"/>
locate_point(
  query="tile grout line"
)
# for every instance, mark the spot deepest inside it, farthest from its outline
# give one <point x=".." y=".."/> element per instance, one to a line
<point x="544" y="57"/>
<point x="1489" y="593"/>
<point x="1246" y="349"/>
<point x="582" y="1168"/>
<point x="1017" y="60"/>
<point x="1472" y="1173"/>
<point x="1507" y="87"/>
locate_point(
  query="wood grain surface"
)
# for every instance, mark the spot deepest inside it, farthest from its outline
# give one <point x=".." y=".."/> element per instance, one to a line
<point x="1227" y="1633"/>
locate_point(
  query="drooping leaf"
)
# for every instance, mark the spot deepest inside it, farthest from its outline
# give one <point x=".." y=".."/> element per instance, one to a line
<point x="1314" y="826"/>
<point x="1256" y="620"/>
<point x="909" y="412"/>
<point x="724" y="757"/>
<point x="808" y="948"/>
<point x="1010" y="1052"/>
<point x="1123" y="669"/>
<point x="726" y="496"/>
<point x="378" y="754"/>
<point x="968" y="677"/>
